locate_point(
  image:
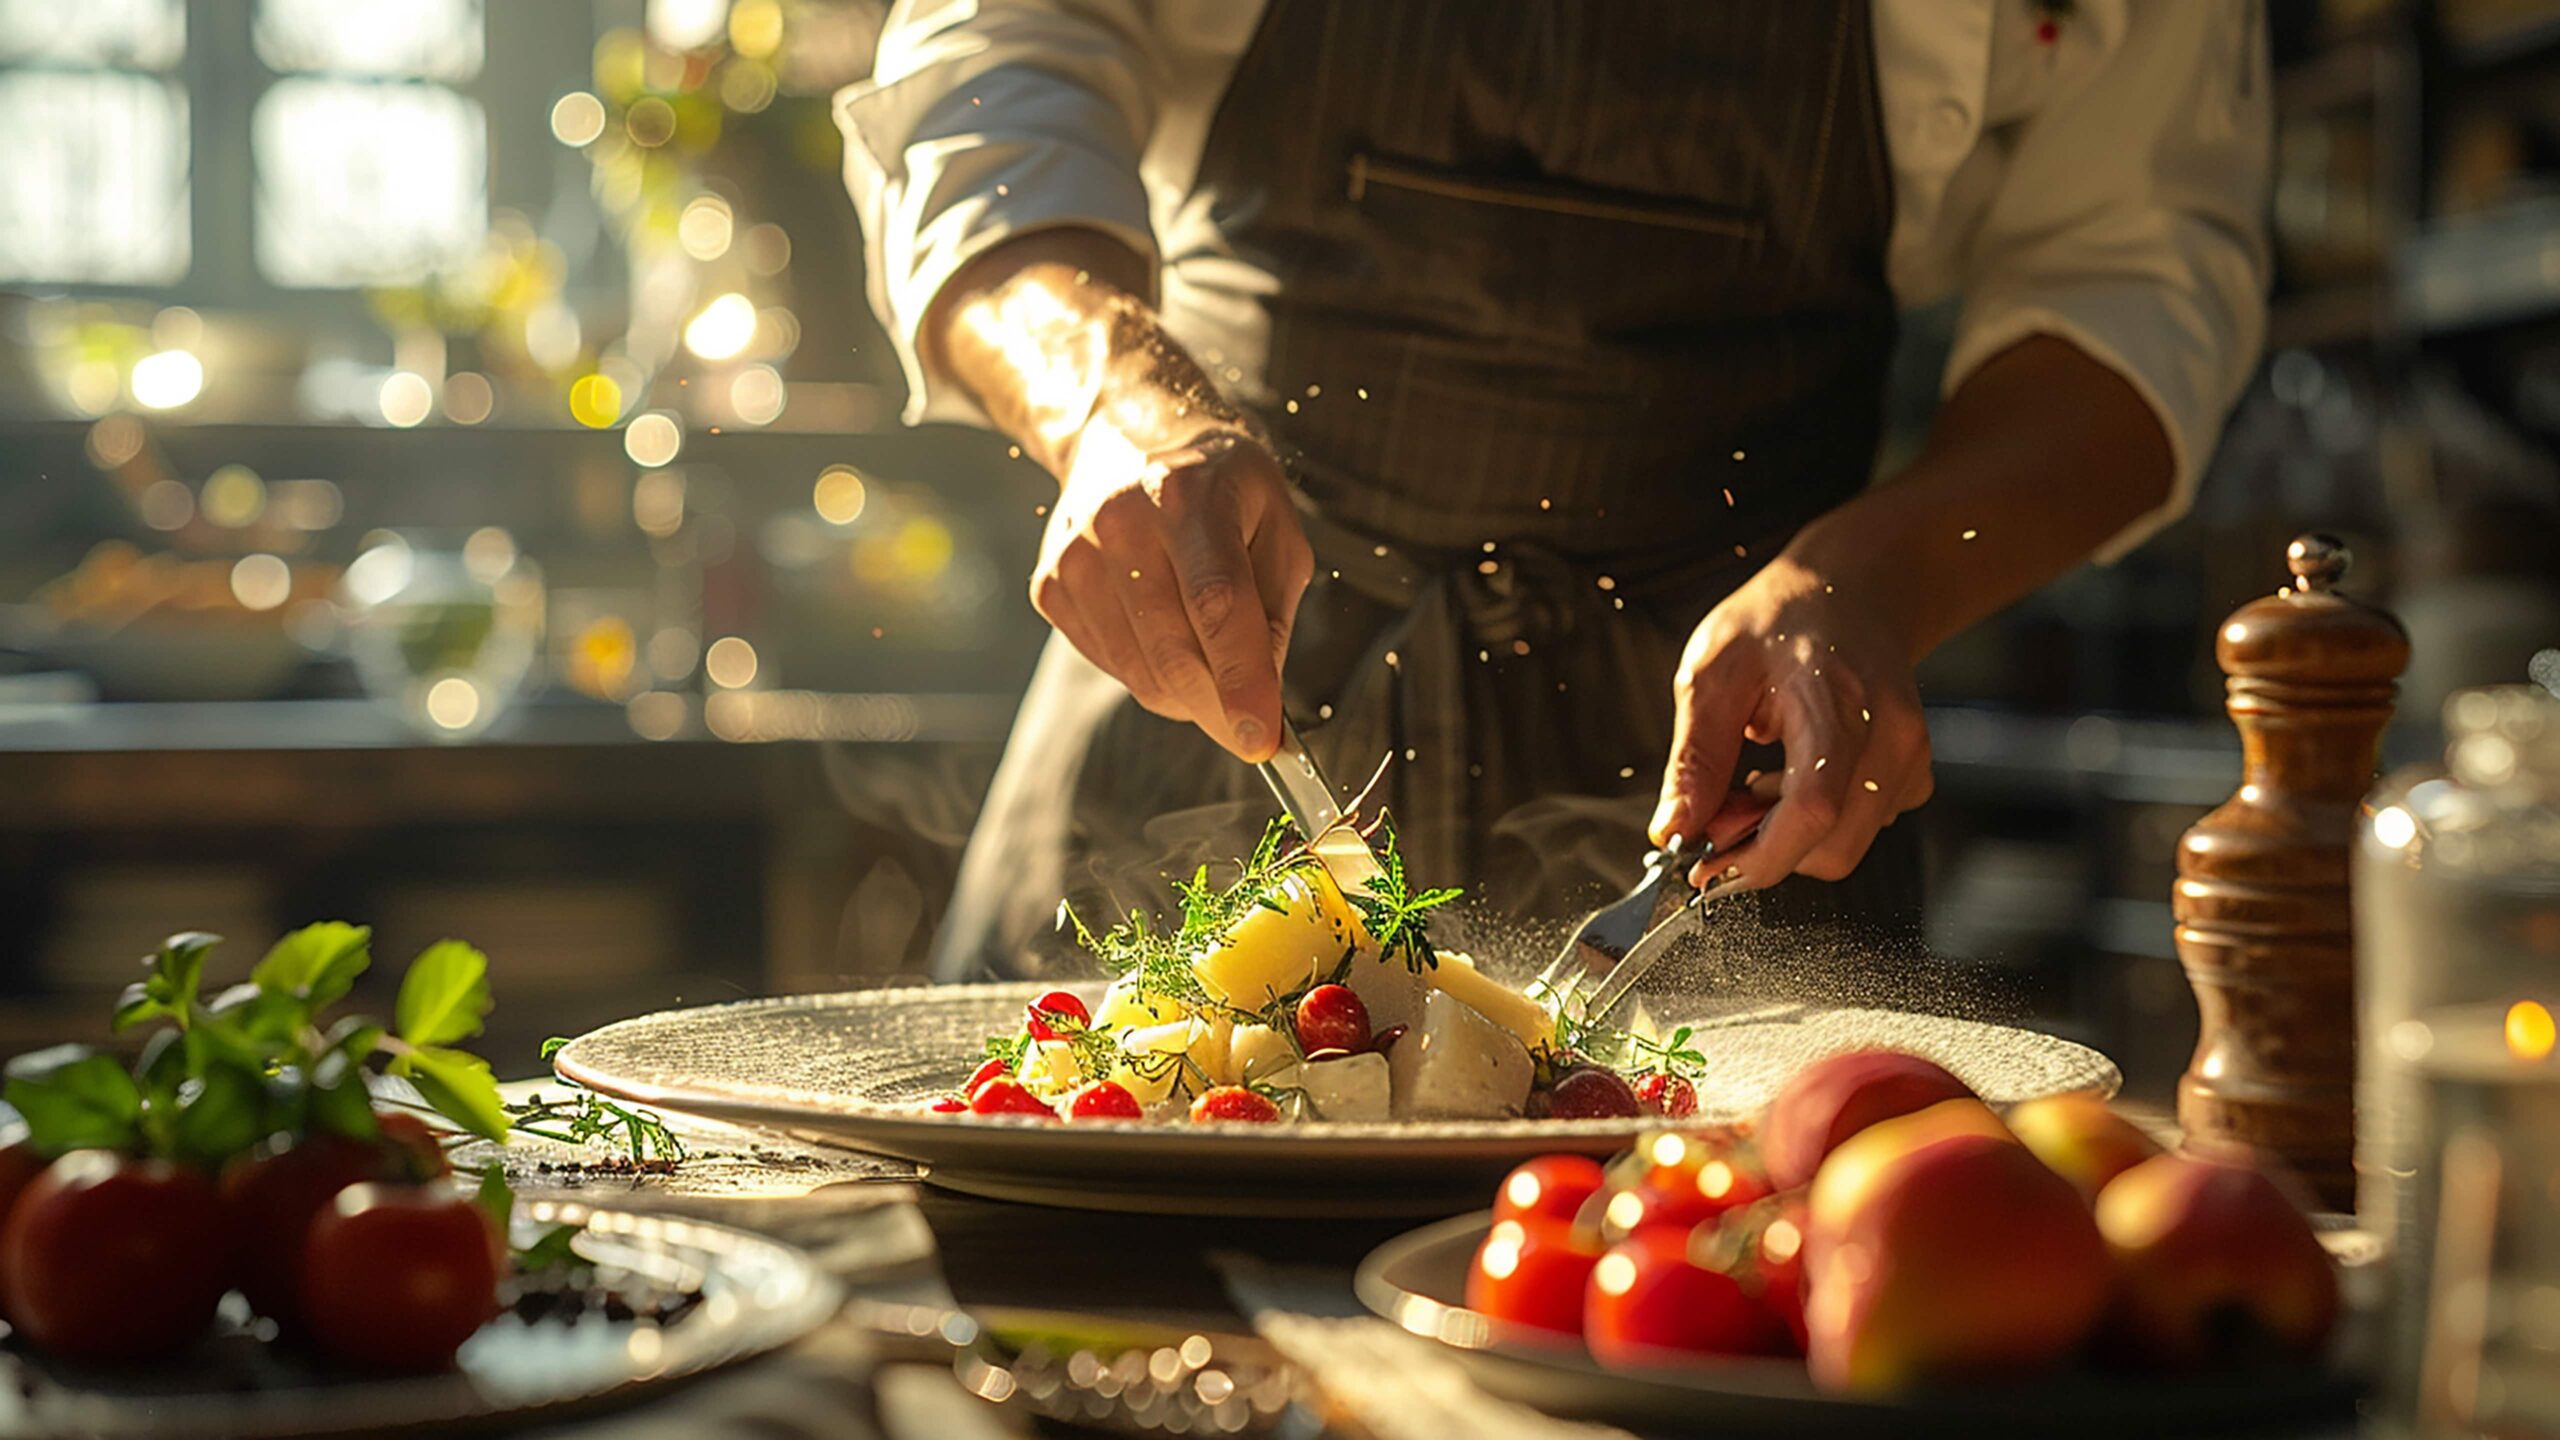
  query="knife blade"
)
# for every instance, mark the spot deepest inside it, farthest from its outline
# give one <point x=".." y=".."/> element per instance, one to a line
<point x="1310" y="800"/>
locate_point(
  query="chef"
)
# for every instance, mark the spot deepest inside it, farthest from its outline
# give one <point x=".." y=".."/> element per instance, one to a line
<point x="1494" y="386"/>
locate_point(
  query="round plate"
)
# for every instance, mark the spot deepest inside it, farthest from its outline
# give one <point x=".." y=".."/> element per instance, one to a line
<point x="758" y="1295"/>
<point x="1418" y="1281"/>
<point x="850" y="1068"/>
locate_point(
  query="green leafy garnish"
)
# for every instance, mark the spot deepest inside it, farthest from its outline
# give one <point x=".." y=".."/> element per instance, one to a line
<point x="317" y="964"/>
<point x="169" y="983"/>
<point x="73" y="1098"/>
<point x="585" y="1116"/>
<point x="445" y="995"/>
<point x="1393" y="913"/>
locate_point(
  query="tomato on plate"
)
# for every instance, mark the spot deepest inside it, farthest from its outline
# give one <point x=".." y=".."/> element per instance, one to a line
<point x="1647" y="1296"/>
<point x="274" y="1192"/>
<point x="20" y="1164"/>
<point x="112" y="1258"/>
<point x="396" y="1277"/>
<point x="1553" y="1186"/>
<point x="1532" y="1272"/>
<point x="1008" y="1097"/>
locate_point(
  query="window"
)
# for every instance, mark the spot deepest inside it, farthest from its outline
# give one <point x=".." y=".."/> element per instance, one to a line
<point x="95" y="187"/>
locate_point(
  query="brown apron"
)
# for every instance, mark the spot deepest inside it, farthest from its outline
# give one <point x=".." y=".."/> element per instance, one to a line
<point x="1580" y="311"/>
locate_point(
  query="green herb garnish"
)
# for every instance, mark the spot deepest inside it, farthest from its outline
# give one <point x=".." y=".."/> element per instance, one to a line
<point x="1393" y="913"/>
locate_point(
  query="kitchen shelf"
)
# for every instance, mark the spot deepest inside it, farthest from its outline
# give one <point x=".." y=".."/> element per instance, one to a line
<point x="2485" y="270"/>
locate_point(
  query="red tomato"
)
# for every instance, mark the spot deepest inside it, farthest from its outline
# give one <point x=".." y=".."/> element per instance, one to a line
<point x="1056" y="1004"/>
<point x="1104" y="1100"/>
<point x="1729" y="1183"/>
<point x="273" y="1193"/>
<point x="1552" y="1187"/>
<point x="1667" y="1094"/>
<point x="1647" y="1204"/>
<point x="396" y="1277"/>
<point x="947" y="1105"/>
<point x="1234" y="1102"/>
<point x="111" y="1258"/>
<point x="414" y="1143"/>
<point x="1332" y="1017"/>
<point x="990" y="1069"/>
<point x="1532" y="1272"/>
<point x="1646" y="1298"/>
<point x="1009" y="1097"/>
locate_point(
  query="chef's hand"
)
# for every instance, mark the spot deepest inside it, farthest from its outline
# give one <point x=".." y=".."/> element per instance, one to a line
<point x="1799" y="660"/>
<point x="1178" y="572"/>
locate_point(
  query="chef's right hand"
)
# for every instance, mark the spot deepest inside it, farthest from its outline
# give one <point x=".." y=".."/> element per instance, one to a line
<point x="1178" y="572"/>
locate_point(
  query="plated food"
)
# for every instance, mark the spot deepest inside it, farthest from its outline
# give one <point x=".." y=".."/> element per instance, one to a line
<point x="1274" y="996"/>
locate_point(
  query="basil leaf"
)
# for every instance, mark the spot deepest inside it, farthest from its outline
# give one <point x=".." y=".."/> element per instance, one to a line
<point x="169" y="983"/>
<point x="219" y="1116"/>
<point x="316" y="964"/>
<point x="73" y="1098"/>
<point x="553" y="1249"/>
<point x="246" y="1026"/>
<point x="444" y="996"/>
<point x="458" y="1084"/>
<point x="337" y="1099"/>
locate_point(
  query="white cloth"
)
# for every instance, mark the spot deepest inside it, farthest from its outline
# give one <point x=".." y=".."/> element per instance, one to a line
<point x="2105" y="187"/>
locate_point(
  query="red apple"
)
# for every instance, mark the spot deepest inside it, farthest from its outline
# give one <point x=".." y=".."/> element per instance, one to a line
<point x="2216" y="1266"/>
<point x="1830" y="1100"/>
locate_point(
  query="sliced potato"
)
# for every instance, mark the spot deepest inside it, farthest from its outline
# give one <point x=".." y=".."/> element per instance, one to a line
<point x="1457" y="975"/>
<point x="1259" y="1052"/>
<point x="1273" y="952"/>
<point x="1126" y="1007"/>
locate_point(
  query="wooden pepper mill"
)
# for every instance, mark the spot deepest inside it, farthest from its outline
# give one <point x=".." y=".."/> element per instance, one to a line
<point x="2261" y="900"/>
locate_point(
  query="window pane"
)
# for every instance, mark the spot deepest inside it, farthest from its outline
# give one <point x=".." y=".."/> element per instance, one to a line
<point x="367" y="183"/>
<point x="95" y="187"/>
<point x="145" y="34"/>
<point x="432" y="39"/>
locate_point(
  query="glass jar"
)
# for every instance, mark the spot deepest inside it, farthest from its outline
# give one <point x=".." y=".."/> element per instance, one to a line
<point x="442" y="635"/>
<point x="2457" y="921"/>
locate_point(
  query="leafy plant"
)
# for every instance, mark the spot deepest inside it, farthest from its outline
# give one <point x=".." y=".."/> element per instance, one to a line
<point x="1394" y="914"/>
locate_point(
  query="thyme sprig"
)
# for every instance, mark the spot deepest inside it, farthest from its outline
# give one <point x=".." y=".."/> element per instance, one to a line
<point x="1394" y="913"/>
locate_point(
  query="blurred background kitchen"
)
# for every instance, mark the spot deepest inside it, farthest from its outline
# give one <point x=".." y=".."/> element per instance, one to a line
<point x="449" y="477"/>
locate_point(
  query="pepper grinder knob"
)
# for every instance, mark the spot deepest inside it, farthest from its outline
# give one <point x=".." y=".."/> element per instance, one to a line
<point x="2318" y="561"/>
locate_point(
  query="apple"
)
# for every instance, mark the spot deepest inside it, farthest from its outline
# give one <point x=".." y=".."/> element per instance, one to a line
<point x="1848" y="1178"/>
<point x="2217" y="1265"/>
<point x="2085" y="1142"/>
<point x="1962" y="1258"/>
<point x="1830" y="1100"/>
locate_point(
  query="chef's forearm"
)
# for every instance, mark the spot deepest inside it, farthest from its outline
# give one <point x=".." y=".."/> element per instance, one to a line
<point x="2034" y="462"/>
<point x="1050" y="334"/>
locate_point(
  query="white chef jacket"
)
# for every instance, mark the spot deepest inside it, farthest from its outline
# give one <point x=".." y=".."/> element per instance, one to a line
<point x="2104" y="187"/>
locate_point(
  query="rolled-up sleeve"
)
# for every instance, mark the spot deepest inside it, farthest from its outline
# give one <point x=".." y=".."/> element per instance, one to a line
<point x="2128" y="221"/>
<point x="986" y="119"/>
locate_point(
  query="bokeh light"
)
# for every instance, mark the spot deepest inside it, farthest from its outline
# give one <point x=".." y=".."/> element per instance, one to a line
<point x="839" y="495"/>
<point x="261" y="582"/>
<point x="166" y="505"/>
<point x="652" y="439"/>
<point x="757" y="394"/>
<point x="755" y="28"/>
<point x="595" y="401"/>
<point x="489" y="554"/>
<point x="469" y="398"/>
<point x="657" y="503"/>
<point x="723" y="328"/>
<point x="167" y="379"/>
<point x="114" y="441"/>
<point x="704" y="228"/>
<point x="577" y="118"/>
<point x="730" y="662"/>
<point x="453" y="702"/>
<point x="656" y="714"/>
<point x="406" y="398"/>
<point x="234" y="497"/>
<point x="768" y="248"/>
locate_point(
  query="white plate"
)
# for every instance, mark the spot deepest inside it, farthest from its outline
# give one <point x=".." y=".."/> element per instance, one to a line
<point x="1418" y="1281"/>
<point x="851" y="1067"/>
<point x="758" y="1295"/>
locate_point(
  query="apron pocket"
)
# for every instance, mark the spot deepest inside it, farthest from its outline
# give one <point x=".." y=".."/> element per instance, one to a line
<point x="1389" y="172"/>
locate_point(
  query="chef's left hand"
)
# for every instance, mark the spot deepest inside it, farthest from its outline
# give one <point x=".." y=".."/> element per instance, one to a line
<point x="1797" y="658"/>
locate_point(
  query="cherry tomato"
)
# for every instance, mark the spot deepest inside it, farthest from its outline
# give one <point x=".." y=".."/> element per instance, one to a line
<point x="1009" y="1097"/>
<point x="1532" y="1272"/>
<point x="111" y="1258"/>
<point x="273" y="1193"/>
<point x="1104" y="1100"/>
<point x="1647" y="1205"/>
<point x="1592" y="1093"/>
<point x="1059" y="1004"/>
<point x="1646" y="1297"/>
<point x="1236" y="1103"/>
<point x="414" y="1144"/>
<point x="396" y="1277"/>
<point x="947" y="1105"/>
<point x="1729" y="1183"/>
<point x="1551" y="1187"/>
<point x="1668" y="1094"/>
<point x="1772" y="1265"/>
<point x="991" y="1069"/>
<point x="1331" y="1017"/>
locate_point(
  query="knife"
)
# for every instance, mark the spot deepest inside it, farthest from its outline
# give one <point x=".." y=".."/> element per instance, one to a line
<point x="1311" y="801"/>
